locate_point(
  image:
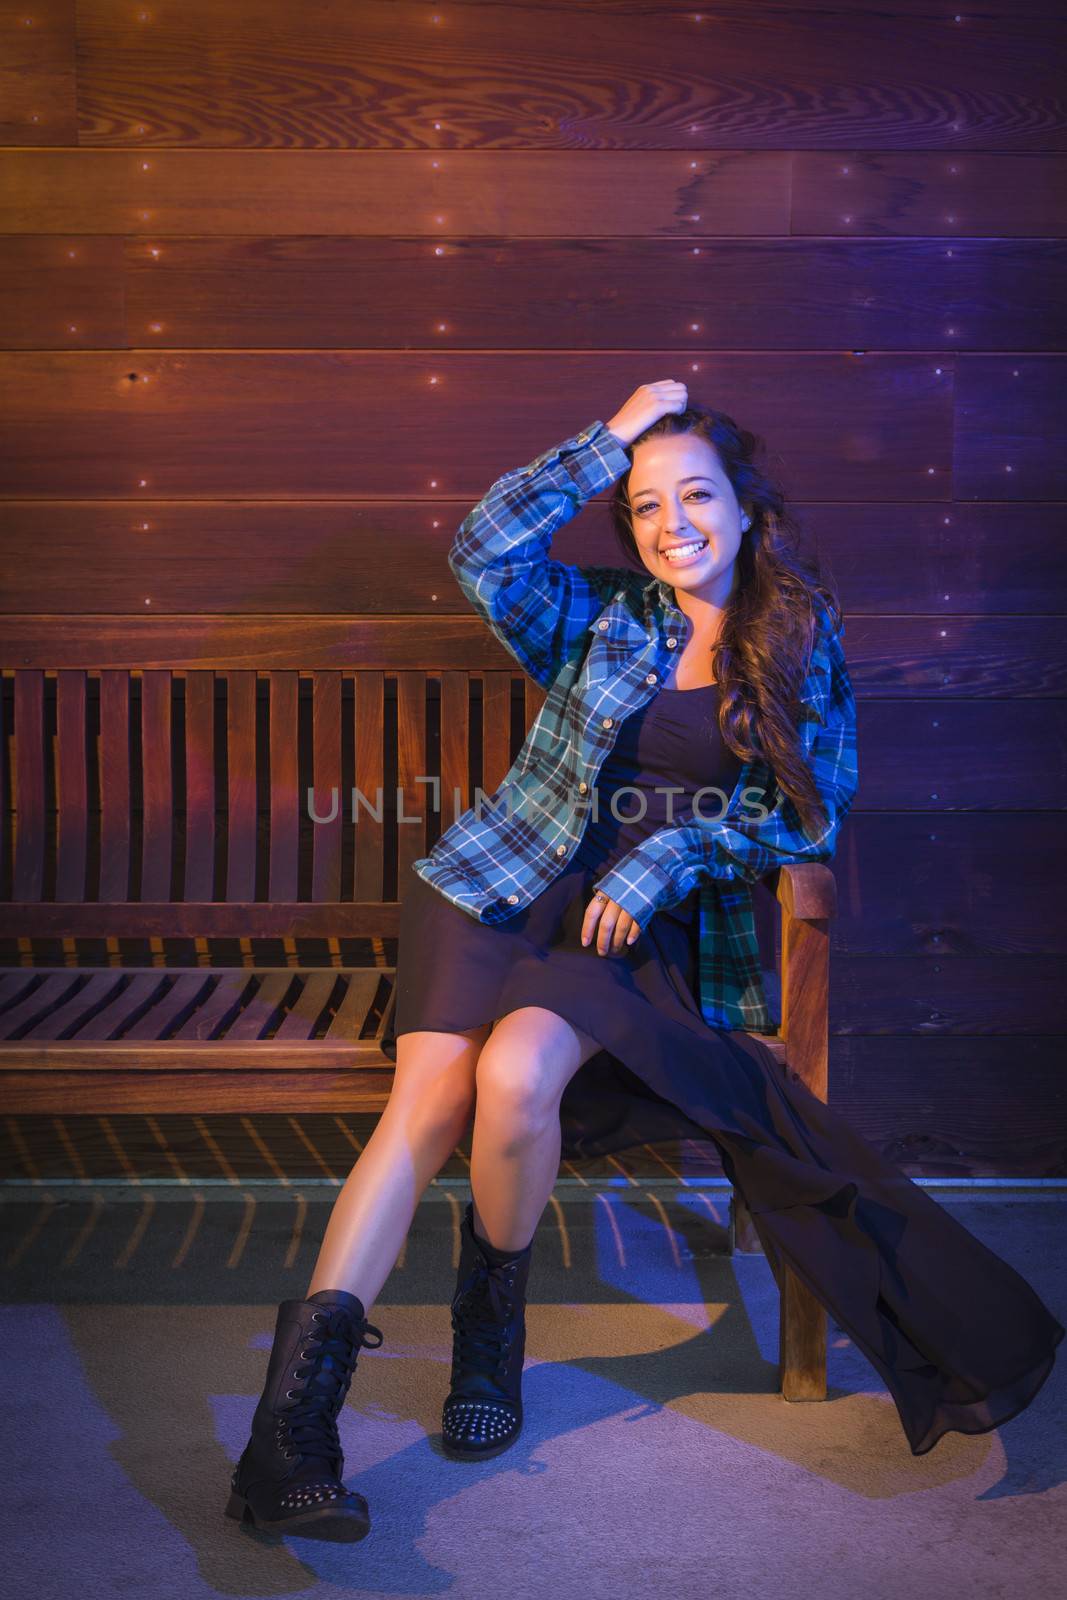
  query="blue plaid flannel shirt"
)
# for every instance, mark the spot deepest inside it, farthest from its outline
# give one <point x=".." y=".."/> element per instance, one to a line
<point x="599" y="641"/>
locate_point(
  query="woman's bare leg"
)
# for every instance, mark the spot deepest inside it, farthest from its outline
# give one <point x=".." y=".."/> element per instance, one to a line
<point x="429" y="1106"/>
<point x="521" y="1075"/>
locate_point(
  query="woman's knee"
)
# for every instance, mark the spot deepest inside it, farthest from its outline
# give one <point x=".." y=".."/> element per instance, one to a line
<point x="524" y="1068"/>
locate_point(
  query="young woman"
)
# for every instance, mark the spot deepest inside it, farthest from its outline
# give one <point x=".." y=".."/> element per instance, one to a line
<point x="581" y="971"/>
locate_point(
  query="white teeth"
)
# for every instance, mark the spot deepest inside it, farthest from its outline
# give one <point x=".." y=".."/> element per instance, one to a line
<point x="684" y="550"/>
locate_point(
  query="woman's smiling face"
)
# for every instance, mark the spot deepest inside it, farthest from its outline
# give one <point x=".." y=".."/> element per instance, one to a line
<point x="679" y="494"/>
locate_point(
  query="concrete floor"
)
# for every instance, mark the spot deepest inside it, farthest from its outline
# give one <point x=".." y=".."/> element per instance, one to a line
<point x="656" y="1457"/>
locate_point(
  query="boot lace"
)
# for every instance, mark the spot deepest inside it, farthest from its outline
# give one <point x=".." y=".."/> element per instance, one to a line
<point x="328" y="1357"/>
<point x="481" y="1318"/>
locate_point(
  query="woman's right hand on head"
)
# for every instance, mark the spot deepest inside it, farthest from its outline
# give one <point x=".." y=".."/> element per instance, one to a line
<point x="645" y="406"/>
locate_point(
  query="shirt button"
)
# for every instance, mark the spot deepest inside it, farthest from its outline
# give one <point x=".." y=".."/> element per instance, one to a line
<point x="582" y="787"/>
<point x="513" y="899"/>
<point x="561" y="850"/>
<point x="651" y="678"/>
<point x="607" y="722"/>
<point x="602" y="625"/>
<point x="672" y="644"/>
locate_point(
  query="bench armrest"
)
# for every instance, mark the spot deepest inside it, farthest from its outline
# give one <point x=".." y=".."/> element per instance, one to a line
<point x="807" y="894"/>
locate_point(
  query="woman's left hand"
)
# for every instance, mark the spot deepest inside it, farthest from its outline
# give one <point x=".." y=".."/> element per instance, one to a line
<point x="613" y="926"/>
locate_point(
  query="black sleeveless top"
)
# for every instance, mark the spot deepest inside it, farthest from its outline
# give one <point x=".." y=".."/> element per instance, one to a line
<point x="672" y="743"/>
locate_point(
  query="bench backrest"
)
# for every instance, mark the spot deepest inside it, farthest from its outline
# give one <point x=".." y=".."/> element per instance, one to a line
<point x="160" y="800"/>
<point x="154" y="774"/>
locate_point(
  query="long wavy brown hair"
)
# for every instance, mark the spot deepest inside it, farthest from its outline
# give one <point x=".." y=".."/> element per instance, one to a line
<point x="762" y="655"/>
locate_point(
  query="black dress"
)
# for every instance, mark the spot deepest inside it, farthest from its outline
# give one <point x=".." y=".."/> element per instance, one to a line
<point x="959" y="1338"/>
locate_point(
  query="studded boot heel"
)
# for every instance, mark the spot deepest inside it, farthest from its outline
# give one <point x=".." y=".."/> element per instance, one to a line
<point x="288" y="1479"/>
<point x="482" y="1414"/>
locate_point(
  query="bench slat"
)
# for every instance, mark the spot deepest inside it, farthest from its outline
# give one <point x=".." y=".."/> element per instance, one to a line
<point x="370" y="778"/>
<point x="262" y="1009"/>
<point x="300" y="1020"/>
<point x="361" y="988"/>
<point x="241" y="782"/>
<point x="417" y="798"/>
<point x="157" y="783"/>
<point x="200" y="786"/>
<point x="326" y="777"/>
<point x="249" y="919"/>
<point x="127" y="1002"/>
<point x="284" y="742"/>
<point x="114" y="784"/>
<point x="5" y="814"/>
<point x="161" y="1080"/>
<point x="455" y="743"/>
<point x="242" y="1055"/>
<point x="72" y="786"/>
<point x="226" y="997"/>
<point x="496" y="728"/>
<point x="54" y="991"/>
<point x="29" y="784"/>
<point x="181" y="997"/>
<point x="14" y="983"/>
<point x="80" y="1004"/>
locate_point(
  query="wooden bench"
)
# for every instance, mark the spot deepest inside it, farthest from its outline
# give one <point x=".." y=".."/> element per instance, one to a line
<point x="167" y="801"/>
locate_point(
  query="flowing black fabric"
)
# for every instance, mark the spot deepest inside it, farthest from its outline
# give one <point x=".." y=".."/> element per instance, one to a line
<point x="960" y="1340"/>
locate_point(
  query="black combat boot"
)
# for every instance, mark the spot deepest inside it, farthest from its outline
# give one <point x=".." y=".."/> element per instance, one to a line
<point x="288" y="1479"/>
<point x="483" y="1412"/>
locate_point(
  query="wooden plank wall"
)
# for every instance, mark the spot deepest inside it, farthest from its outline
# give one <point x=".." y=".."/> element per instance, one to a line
<point x="282" y="290"/>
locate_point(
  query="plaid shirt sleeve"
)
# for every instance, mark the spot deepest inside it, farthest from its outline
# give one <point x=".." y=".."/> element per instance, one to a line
<point x="538" y="608"/>
<point x="661" y="870"/>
